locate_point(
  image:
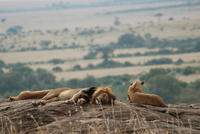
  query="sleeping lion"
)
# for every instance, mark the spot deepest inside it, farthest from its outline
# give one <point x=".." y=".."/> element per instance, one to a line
<point x="92" y="95"/>
<point x="135" y="95"/>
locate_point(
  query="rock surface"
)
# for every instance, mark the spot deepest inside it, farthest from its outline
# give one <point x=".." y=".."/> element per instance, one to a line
<point x="58" y="118"/>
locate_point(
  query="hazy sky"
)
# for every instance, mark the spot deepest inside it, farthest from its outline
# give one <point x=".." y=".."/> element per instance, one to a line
<point x="23" y="4"/>
<point x="26" y="4"/>
<point x="71" y="1"/>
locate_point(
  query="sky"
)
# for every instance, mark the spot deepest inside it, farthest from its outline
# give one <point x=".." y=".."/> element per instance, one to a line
<point x="23" y="4"/>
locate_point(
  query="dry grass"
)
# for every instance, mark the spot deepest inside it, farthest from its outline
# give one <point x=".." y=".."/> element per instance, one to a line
<point x="189" y="78"/>
<point x="188" y="57"/>
<point x="35" y="56"/>
<point x="115" y="71"/>
<point x="73" y="57"/>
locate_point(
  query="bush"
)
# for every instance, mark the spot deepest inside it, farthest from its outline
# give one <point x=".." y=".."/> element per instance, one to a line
<point x="179" y="62"/>
<point x="65" y="30"/>
<point x="195" y="85"/>
<point x="170" y="19"/>
<point x="87" y="32"/>
<point x="165" y="86"/>
<point x="130" y="41"/>
<point x="108" y="64"/>
<point x="117" y="22"/>
<point x="90" y="66"/>
<point x="159" y="61"/>
<point x="77" y="83"/>
<point x="154" y="72"/>
<point x="21" y="78"/>
<point x="127" y="64"/>
<point x="45" y="43"/>
<point x="14" y="30"/>
<point x="2" y="64"/>
<point x="124" y="55"/>
<point x="188" y="71"/>
<point x="56" y="61"/>
<point x="90" y="55"/>
<point x="57" y="69"/>
<point x="77" y="67"/>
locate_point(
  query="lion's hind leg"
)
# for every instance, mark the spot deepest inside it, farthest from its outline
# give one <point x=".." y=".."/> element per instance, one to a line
<point x="52" y="95"/>
<point x="75" y="98"/>
<point x="80" y="98"/>
<point x="29" y="95"/>
<point x="43" y="102"/>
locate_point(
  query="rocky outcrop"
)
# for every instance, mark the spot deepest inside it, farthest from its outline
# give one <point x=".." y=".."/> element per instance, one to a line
<point x="57" y="117"/>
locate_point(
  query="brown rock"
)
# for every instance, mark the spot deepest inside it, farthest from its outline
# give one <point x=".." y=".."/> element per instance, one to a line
<point x="57" y="117"/>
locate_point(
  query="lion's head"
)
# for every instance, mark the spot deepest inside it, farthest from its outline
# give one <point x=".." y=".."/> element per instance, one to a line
<point x="136" y="86"/>
<point x="103" y="95"/>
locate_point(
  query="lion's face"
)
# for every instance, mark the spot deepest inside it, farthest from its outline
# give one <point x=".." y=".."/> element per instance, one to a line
<point x="104" y="98"/>
<point x="137" y="86"/>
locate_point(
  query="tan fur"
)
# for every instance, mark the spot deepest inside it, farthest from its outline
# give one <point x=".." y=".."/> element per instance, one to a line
<point x="44" y="96"/>
<point x="135" y="95"/>
<point x="103" y="95"/>
<point x="71" y="95"/>
<point x="29" y="95"/>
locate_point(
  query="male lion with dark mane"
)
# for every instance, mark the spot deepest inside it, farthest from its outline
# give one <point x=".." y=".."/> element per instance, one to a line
<point x="135" y="95"/>
<point x="92" y="95"/>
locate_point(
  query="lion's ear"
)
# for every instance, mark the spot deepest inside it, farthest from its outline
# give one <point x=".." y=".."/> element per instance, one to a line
<point x="134" y="84"/>
<point x="114" y="98"/>
<point x="142" y="82"/>
<point x="107" y="87"/>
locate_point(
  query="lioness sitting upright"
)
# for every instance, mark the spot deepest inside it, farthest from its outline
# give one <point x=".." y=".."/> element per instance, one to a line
<point x="135" y="95"/>
<point x="92" y="95"/>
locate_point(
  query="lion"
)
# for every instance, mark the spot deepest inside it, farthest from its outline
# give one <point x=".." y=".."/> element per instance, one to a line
<point x="92" y="95"/>
<point x="135" y="95"/>
<point x="101" y="95"/>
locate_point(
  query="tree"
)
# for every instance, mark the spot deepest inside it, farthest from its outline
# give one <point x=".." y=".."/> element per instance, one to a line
<point x="158" y="15"/>
<point x="89" y="81"/>
<point x="77" y="67"/>
<point x="165" y="86"/>
<point x="152" y="73"/>
<point x="45" y="79"/>
<point x="14" y="30"/>
<point x="195" y="85"/>
<point x="159" y="61"/>
<point x="117" y="22"/>
<point x="2" y="64"/>
<point x="3" y="20"/>
<point x="170" y="19"/>
<point x="179" y="62"/>
<point x="130" y="41"/>
<point x="57" y="69"/>
<point x="106" y="52"/>
<point x="45" y="43"/>
<point x="188" y="71"/>
<point x="56" y="61"/>
<point x="65" y="30"/>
